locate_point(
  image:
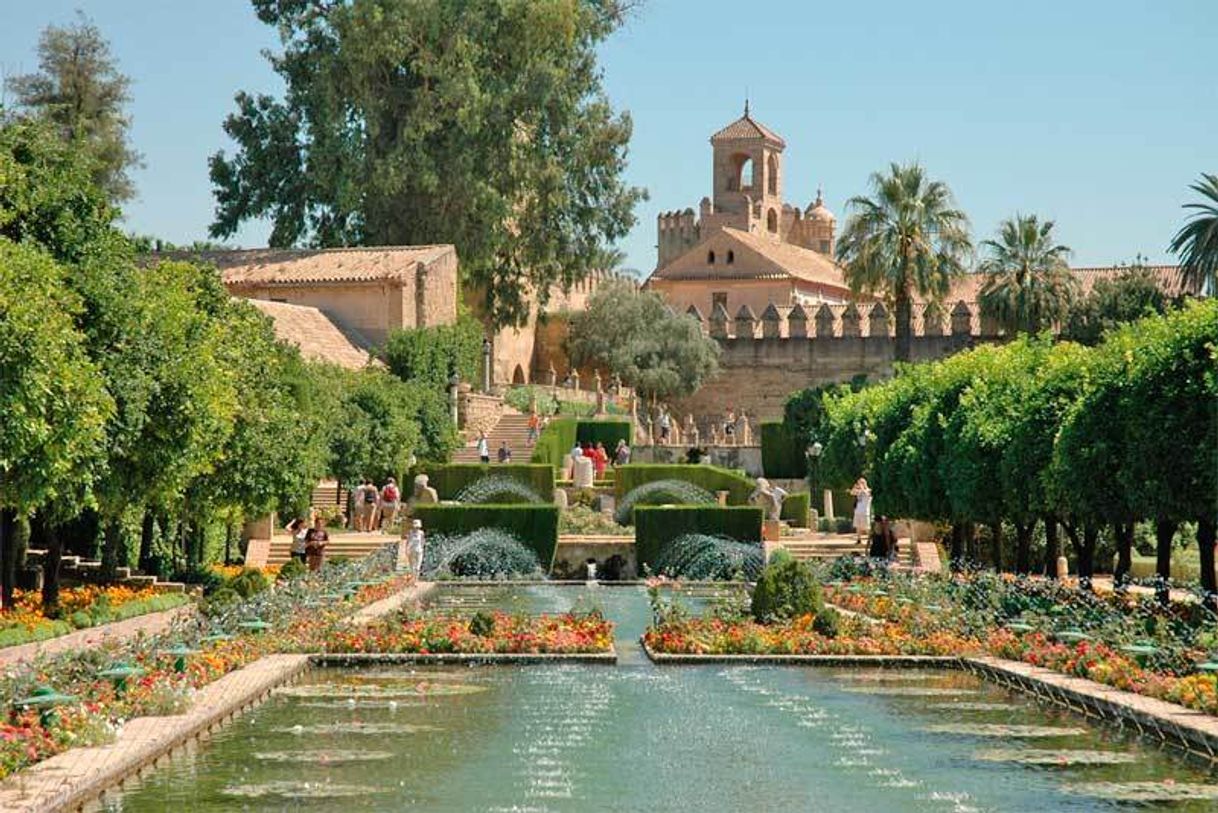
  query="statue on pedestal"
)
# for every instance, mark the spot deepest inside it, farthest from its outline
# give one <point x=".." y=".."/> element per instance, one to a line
<point x="423" y="493"/>
<point x="769" y="498"/>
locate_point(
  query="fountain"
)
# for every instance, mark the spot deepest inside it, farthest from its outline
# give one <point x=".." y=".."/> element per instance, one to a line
<point x="703" y="557"/>
<point x="498" y="489"/>
<point x="661" y="492"/>
<point x="487" y="553"/>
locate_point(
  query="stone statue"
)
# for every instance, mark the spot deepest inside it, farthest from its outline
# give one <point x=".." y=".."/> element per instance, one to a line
<point x="584" y="473"/>
<point x="746" y="431"/>
<point x="423" y="493"/>
<point x="769" y="498"/>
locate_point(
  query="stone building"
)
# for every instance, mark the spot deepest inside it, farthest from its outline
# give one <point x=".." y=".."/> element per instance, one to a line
<point x="364" y="291"/>
<point x="746" y="248"/>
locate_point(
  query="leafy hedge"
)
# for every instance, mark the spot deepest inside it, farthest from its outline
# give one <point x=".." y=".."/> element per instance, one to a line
<point x="536" y="526"/>
<point x="430" y="355"/>
<point x="782" y="452"/>
<point x="797" y="509"/>
<point x="449" y="478"/>
<point x="84" y="619"/>
<point x="656" y="526"/>
<point x="606" y="430"/>
<point x="562" y="433"/>
<point x="712" y="478"/>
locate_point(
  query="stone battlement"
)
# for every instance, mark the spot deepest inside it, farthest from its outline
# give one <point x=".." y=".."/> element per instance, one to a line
<point x="846" y="321"/>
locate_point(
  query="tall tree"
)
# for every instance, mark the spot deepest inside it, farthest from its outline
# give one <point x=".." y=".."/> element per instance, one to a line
<point x="79" y="88"/>
<point x="634" y="335"/>
<point x="1028" y="285"/>
<point x="907" y="240"/>
<point x="1134" y="293"/>
<point x="483" y="124"/>
<point x="1197" y="241"/>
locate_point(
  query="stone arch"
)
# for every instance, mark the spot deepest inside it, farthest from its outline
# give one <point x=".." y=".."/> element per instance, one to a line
<point x="742" y="179"/>
<point x="771" y="220"/>
<point x="771" y="179"/>
<point x="731" y="256"/>
<point x="518" y="375"/>
<point x="710" y="257"/>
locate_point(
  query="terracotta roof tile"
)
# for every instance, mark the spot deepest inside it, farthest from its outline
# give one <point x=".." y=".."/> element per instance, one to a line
<point x="969" y="286"/>
<point x="747" y="127"/>
<point x="269" y="266"/>
<point x="318" y="337"/>
<point x="785" y="261"/>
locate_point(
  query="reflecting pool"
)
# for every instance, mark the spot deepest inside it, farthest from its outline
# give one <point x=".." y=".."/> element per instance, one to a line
<point x="638" y="737"/>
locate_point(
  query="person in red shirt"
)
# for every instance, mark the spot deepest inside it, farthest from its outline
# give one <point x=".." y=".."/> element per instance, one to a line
<point x="600" y="458"/>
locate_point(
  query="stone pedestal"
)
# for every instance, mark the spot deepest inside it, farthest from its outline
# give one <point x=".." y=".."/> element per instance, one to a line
<point x="771" y="530"/>
<point x="1063" y="567"/>
<point x="722" y="496"/>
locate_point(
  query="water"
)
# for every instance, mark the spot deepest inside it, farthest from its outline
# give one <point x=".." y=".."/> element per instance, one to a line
<point x="486" y="553"/>
<point x="661" y="492"/>
<point x="639" y="737"/>
<point x="496" y="488"/>
<point x="705" y="557"/>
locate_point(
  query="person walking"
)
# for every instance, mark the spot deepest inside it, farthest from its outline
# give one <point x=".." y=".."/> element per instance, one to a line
<point x="665" y="425"/>
<point x="621" y="455"/>
<point x="390" y="502"/>
<point x="366" y="497"/>
<point x="298" y="528"/>
<point x="729" y="427"/>
<point x="862" y="509"/>
<point x="484" y="448"/>
<point x="600" y="458"/>
<point x="316" y="540"/>
<point x="534" y="427"/>
<point x="414" y="548"/>
<point x="505" y="453"/>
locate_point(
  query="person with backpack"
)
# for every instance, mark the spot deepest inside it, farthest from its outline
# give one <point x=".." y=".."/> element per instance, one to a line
<point x="316" y="539"/>
<point x="390" y="502"/>
<point x="298" y="528"/>
<point x="365" y="508"/>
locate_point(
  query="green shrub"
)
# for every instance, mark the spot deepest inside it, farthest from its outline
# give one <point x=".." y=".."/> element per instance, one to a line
<point x="797" y="509"/>
<point x="827" y="622"/>
<point x="656" y="526"/>
<point x="81" y="620"/>
<point x="430" y="355"/>
<point x="202" y="575"/>
<point x="779" y="556"/>
<point x="291" y="569"/>
<point x="782" y="451"/>
<point x="448" y="479"/>
<point x="482" y="624"/>
<point x="249" y="582"/>
<point x="15" y="636"/>
<point x="712" y="478"/>
<point x="219" y="601"/>
<point x="555" y="441"/>
<point x="153" y="604"/>
<point x="534" y="525"/>
<point x="786" y="590"/>
<point x="604" y="430"/>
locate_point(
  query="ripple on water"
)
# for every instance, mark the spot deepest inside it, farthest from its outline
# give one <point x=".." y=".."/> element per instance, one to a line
<point x="1001" y="730"/>
<point x="322" y="757"/>
<point x="967" y="706"/>
<point x="378" y="729"/>
<point x="288" y="789"/>
<point x="1051" y="757"/>
<point x="421" y="688"/>
<point x="910" y="691"/>
<point x="1166" y="791"/>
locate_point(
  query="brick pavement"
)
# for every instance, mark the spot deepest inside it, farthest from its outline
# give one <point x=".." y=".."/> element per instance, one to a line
<point x="148" y="624"/>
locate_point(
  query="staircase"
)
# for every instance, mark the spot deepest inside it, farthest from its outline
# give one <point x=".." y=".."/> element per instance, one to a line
<point x="346" y="545"/>
<point x="76" y="569"/>
<point x="818" y="547"/>
<point x="513" y="427"/>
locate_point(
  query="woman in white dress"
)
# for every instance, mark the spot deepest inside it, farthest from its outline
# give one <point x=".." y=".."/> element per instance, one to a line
<point x="862" y="510"/>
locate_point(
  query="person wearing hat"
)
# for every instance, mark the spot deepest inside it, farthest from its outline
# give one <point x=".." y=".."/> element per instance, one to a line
<point x="390" y="502"/>
<point x="414" y="547"/>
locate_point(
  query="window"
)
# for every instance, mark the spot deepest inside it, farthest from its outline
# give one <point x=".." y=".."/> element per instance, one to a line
<point x="772" y="175"/>
<point x="824" y="246"/>
<point x="718" y="298"/>
<point x="731" y="257"/>
<point x="771" y="220"/>
<point x="710" y="258"/>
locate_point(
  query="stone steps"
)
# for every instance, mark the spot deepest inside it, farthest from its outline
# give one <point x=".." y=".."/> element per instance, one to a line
<point x="812" y="549"/>
<point x="349" y="546"/>
<point x="78" y="569"/>
<point x="512" y="427"/>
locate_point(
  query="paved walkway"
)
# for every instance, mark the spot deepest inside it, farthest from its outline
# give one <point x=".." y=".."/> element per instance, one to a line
<point x="69" y="779"/>
<point x="148" y="624"/>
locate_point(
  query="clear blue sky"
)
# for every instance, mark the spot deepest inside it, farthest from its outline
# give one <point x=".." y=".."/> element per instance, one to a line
<point x="1096" y="113"/>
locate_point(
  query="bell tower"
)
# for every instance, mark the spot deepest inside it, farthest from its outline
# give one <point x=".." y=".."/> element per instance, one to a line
<point x="747" y="172"/>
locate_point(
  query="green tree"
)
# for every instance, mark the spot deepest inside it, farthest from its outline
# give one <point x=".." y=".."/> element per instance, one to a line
<point x="633" y="334"/>
<point x="430" y="355"/>
<point x="908" y="240"/>
<point x="1131" y="295"/>
<point x="1028" y="285"/>
<point x="79" y="89"/>
<point x="483" y="124"/>
<point x="54" y="405"/>
<point x="1197" y="241"/>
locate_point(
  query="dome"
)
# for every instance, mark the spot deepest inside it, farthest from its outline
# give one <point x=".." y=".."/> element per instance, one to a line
<point x="818" y="211"/>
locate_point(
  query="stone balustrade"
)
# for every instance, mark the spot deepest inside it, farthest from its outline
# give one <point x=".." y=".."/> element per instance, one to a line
<point x="847" y="321"/>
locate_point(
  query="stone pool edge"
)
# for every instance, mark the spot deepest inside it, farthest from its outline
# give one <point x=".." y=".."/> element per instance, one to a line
<point x="332" y="659"/>
<point x="1194" y="732"/>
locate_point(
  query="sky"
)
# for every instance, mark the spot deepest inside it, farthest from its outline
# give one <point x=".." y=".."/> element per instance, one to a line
<point x="1097" y="114"/>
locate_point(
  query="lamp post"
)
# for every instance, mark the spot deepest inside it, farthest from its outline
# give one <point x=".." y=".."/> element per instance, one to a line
<point x="814" y="453"/>
<point x="453" y="384"/>
<point x="486" y="365"/>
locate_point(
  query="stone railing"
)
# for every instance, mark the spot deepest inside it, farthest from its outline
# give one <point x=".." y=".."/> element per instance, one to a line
<point x="850" y="321"/>
<point x="477" y="412"/>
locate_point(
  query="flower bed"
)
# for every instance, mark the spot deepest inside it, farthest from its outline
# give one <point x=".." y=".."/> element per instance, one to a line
<point x="80" y="608"/>
<point x="422" y="634"/>
<point x="300" y="614"/>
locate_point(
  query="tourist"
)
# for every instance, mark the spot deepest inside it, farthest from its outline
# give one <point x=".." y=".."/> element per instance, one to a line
<point x="414" y="548"/>
<point x="298" y="528"/>
<point x="883" y="540"/>
<point x="621" y="455"/>
<point x="484" y="448"/>
<point x="505" y="453"/>
<point x="729" y="427"/>
<point x="390" y="502"/>
<point x="862" y="509"/>
<point x="365" y="505"/>
<point x="315" y="544"/>
<point x="665" y="425"/>
<point x="534" y="427"/>
<point x="600" y="459"/>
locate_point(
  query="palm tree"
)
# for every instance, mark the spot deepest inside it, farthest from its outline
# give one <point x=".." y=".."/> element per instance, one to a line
<point x="1197" y="240"/>
<point x="907" y="240"/>
<point x="1028" y="285"/>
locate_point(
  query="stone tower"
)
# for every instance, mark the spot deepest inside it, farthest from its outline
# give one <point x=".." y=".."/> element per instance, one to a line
<point x="747" y="173"/>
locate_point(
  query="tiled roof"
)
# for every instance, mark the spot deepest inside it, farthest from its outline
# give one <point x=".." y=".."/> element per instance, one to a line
<point x="318" y="337"/>
<point x="747" y="127"/>
<point x="968" y="287"/>
<point x="783" y="261"/>
<point x="270" y="266"/>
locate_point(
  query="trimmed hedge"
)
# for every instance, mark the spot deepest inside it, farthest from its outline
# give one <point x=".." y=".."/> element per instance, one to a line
<point x="555" y="441"/>
<point x="797" y="509"/>
<point x="563" y="433"/>
<point x="656" y="526"/>
<point x="605" y="430"/>
<point x="449" y="478"/>
<point x="712" y="478"/>
<point x="782" y="452"/>
<point x="534" y="525"/>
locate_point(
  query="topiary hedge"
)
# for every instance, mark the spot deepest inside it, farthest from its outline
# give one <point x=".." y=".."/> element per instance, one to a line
<point x="555" y="441"/>
<point x="782" y="452"/>
<point x="536" y="526"/>
<point x="449" y="478"/>
<point x="604" y="430"/>
<point x="797" y="509"/>
<point x="786" y="589"/>
<point x="712" y="478"/>
<point x="656" y="526"/>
